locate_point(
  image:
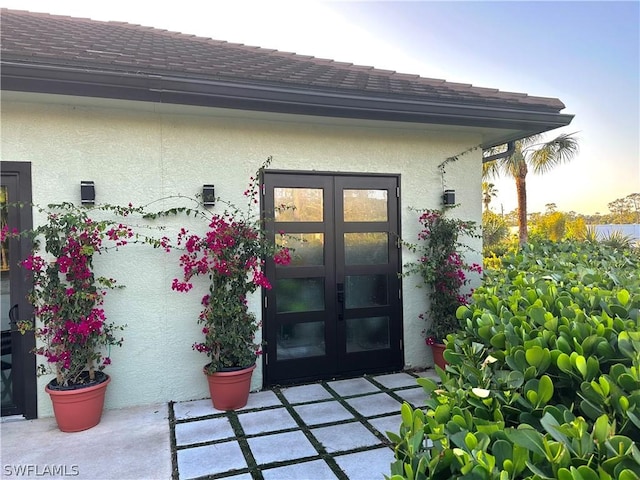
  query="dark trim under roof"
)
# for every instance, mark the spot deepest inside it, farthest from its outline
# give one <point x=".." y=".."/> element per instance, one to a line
<point x="43" y="53"/>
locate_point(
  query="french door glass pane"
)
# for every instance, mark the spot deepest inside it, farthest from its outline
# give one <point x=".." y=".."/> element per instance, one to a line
<point x="370" y="333"/>
<point x="299" y="340"/>
<point x="299" y="294"/>
<point x="365" y="205"/>
<point x="362" y="291"/>
<point x="369" y="248"/>
<point x="298" y="204"/>
<point x="306" y="248"/>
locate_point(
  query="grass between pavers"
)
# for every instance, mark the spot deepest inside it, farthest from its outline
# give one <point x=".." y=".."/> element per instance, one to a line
<point x="253" y="468"/>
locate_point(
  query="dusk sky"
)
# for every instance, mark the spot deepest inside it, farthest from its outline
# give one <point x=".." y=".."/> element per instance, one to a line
<point x="587" y="54"/>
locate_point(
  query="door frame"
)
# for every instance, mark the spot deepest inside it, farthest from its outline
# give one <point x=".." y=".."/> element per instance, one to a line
<point x="24" y="379"/>
<point x="271" y="230"/>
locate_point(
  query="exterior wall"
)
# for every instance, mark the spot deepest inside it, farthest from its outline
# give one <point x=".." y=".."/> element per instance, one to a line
<point x="139" y="153"/>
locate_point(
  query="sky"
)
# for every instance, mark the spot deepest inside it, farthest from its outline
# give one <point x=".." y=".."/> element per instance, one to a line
<point x="587" y="54"/>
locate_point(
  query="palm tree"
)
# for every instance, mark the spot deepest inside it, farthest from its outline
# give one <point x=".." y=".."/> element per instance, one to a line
<point x="489" y="192"/>
<point x="531" y="153"/>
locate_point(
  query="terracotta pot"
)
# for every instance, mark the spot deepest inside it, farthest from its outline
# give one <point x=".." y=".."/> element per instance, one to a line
<point x="438" y="350"/>
<point x="230" y="390"/>
<point x="78" y="409"/>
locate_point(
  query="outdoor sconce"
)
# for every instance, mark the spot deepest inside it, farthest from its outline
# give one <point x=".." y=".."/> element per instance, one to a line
<point x="87" y="192"/>
<point x="449" y="198"/>
<point x="208" y="196"/>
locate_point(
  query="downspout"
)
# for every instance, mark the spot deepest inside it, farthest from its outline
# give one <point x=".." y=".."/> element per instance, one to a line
<point x="511" y="146"/>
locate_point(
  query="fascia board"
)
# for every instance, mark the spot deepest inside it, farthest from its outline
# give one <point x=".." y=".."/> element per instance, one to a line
<point x="273" y="98"/>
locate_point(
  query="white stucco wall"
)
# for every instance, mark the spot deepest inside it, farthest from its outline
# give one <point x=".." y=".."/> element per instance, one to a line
<point x="138" y="153"/>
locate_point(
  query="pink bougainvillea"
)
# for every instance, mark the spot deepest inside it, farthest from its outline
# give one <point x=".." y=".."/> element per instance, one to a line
<point x="231" y="255"/>
<point x="443" y="270"/>
<point x="67" y="296"/>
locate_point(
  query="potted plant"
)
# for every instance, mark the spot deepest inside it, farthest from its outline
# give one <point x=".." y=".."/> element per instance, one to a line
<point x="71" y="328"/>
<point x="444" y="272"/>
<point x="230" y="255"/>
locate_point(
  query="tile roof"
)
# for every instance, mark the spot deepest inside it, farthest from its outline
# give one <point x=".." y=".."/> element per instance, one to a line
<point x="120" y="48"/>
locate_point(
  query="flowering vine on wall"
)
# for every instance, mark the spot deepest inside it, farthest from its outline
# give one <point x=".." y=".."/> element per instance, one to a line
<point x="231" y="255"/>
<point x="68" y="297"/>
<point x="443" y="269"/>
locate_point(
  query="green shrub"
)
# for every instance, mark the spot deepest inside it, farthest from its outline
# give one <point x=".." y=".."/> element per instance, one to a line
<point x="543" y="378"/>
<point x="494" y="229"/>
<point x="493" y="254"/>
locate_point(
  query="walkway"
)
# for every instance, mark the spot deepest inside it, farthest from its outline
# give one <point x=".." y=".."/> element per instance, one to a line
<point x="326" y="430"/>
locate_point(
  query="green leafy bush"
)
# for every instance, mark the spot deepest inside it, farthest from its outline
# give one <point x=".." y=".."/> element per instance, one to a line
<point x="543" y="379"/>
<point x="494" y="229"/>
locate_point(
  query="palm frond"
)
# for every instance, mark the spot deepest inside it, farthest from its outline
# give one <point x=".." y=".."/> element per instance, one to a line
<point x="490" y="169"/>
<point x="527" y="142"/>
<point x="553" y="153"/>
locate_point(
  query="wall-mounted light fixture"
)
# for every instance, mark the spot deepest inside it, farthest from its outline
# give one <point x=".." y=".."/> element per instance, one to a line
<point x="449" y="198"/>
<point x="208" y="195"/>
<point x="87" y="192"/>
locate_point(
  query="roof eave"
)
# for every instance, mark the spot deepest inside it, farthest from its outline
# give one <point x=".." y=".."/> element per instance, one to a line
<point x="280" y="99"/>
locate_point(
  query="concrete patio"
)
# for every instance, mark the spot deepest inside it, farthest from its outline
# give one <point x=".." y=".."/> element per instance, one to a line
<point x="326" y="430"/>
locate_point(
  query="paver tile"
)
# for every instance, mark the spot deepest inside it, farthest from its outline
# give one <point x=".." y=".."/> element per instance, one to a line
<point x="396" y="380"/>
<point x="324" y="412"/>
<point x="368" y="465"/>
<point x="315" y="469"/>
<point x="387" y="424"/>
<point x="353" y="386"/>
<point x="266" y="421"/>
<point x="266" y="449"/>
<point x="193" y="409"/>
<point x="203" y="431"/>
<point x="265" y="398"/>
<point x="375" y="404"/>
<point x="306" y="393"/>
<point x="210" y="459"/>
<point x="415" y="396"/>
<point x="340" y="438"/>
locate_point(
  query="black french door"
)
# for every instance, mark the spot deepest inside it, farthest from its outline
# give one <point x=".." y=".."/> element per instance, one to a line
<point x="336" y="309"/>
<point x="18" y="375"/>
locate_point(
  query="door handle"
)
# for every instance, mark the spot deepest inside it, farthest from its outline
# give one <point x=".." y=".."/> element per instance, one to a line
<point x="13" y="314"/>
<point x="340" y="299"/>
